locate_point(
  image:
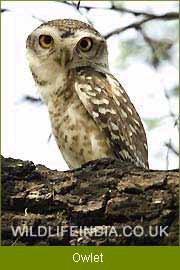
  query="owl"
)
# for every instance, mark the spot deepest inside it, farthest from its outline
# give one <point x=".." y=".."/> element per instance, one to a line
<point x="91" y="115"/>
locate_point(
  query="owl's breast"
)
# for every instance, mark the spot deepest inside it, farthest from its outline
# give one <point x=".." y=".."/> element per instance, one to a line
<point x="77" y="135"/>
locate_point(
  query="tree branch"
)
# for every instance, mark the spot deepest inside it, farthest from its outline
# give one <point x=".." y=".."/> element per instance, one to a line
<point x="102" y="195"/>
<point x="111" y="7"/>
<point x="136" y="25"/>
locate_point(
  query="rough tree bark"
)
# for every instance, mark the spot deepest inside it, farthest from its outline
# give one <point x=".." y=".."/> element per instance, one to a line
<point x="101" y="194"/>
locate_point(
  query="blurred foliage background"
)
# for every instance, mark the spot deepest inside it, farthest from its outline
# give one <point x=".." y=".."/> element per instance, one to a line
<point x="143" y="44"/>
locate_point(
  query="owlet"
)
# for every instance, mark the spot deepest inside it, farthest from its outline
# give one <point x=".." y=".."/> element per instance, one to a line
<point x="91" y="115"/>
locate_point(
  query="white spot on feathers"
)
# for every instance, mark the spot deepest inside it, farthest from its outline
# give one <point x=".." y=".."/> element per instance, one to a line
<point x="132" y="128"/>
<point x="137" y="123"/>
<point x="98" y="89"/>
<point x="124" y="114"/>
<point x="114" y="136"/>
<point x="95" y="114"/>
<point x="124" y="153"/>
<point x="100" y="101"/>
<point x="104" y="111"/>
<point x="114" y="126"/>
<point x="129" y="110"/>
<point x="92" y="94"/>
<point x="145" y="145"/>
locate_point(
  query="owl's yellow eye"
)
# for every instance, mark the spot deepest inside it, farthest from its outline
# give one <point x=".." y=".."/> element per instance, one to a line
<point x="85" y="44"/>
<point x="46" y="41"/>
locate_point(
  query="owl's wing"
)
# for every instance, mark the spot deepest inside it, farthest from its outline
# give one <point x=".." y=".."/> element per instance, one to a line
<point x="110" y="107"/>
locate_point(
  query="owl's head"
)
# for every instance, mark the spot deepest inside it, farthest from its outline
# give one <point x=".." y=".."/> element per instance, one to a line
<point x="60" y="45"/>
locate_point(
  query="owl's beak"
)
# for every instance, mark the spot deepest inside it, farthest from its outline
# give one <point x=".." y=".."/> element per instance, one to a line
<point x="65" y="57"/>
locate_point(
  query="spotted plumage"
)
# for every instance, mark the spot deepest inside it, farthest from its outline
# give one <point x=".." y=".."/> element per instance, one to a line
<point x="91" y="115"/>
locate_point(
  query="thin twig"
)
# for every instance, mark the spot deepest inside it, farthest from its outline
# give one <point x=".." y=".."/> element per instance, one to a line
<point x="133" y="12"/>
<point x="32" y="99"/>
<point x="149" y="41"/>
<point x="169" y="145"/>
<point x="49" y="137"/>
<point x="112" y="7"/>
<point x="78" y="8"/>
<point x="78" y="5"/>
<point x="136" y="25"/>
<point x="4" y="10"/>
<point x="172" y="148"/>
<point x="39" y="19"/>
<point x="167" y="156"/>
